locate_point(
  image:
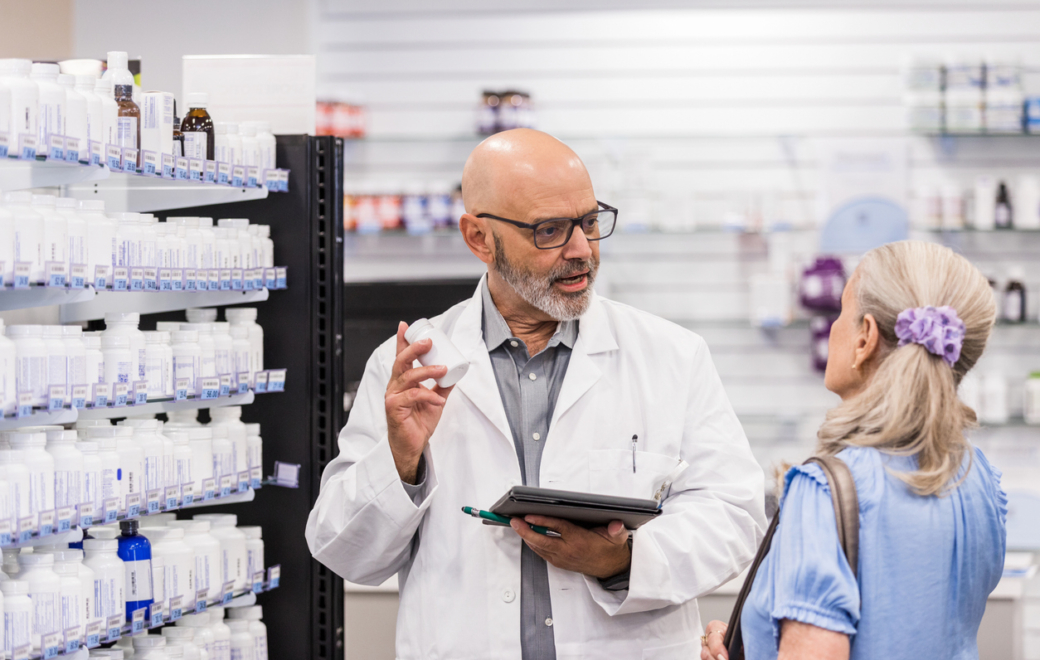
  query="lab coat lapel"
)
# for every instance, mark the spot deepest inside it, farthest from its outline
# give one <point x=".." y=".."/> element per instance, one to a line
<point x="479" y="384"/>
<point x="594" y="336"/>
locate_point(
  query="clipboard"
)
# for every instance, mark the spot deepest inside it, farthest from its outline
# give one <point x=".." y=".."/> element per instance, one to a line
<point x="584" y="509"/>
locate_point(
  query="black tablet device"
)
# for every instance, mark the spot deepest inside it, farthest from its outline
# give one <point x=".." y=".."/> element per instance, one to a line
<point x="584" y="509"/>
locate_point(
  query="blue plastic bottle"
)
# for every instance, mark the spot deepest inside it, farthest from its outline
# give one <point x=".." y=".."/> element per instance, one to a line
<point x="136" y="553"/>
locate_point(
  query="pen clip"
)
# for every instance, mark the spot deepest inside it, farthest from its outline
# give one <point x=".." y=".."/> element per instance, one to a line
<point x="668" y="480"/>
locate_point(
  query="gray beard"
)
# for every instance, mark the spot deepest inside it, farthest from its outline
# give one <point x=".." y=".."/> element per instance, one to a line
<point x="538" y="291"/>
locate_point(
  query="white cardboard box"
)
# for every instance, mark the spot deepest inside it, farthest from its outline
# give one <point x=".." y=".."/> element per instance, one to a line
<point x="275" y="88"/>
<point x="157" y="122"/>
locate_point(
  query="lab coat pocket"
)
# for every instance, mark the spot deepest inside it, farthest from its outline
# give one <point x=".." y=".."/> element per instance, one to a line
<point x="611" y="472"/>
<point x="682" y="651"/>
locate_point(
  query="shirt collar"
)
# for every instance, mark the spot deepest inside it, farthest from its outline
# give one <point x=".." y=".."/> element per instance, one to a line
<point x="496" y="330"/>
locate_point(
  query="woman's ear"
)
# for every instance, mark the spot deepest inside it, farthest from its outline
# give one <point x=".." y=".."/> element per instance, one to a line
<point x="867" y="340"/>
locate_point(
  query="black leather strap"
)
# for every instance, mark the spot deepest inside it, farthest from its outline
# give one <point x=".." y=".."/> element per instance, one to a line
<point x="846" y="513"/>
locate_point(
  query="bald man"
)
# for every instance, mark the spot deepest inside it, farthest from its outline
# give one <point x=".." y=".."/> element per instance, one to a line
<point x="565" y="390"/>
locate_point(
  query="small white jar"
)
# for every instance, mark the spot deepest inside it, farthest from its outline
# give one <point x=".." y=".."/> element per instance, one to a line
<point x="76" y="352"/>
<point x="57" y="357"/>
<point x="119" y="361"/>
<point x="247" y="316"/>
<point x="254" y="551"/>
<point x="234" y="557"/>
<point x="94" y="360"/>
<point x="178" y="562"/>
<point x="68" y="466"/>
<point x="18" y="615"/>
<point x="221" y="634"/>
<point x="44" y="591"/>
<point x="207" y="348"/>
<point x="187" y="356"/>
<point x="28" y="232"/>
<point x="55" y="229"/>
<point x="223" y="453"/>
<point x="76" y="248"/>
<point x="109" y="577"/>
<point x="8" y="374"/>
<point x="182" y="456"/>
<point x="72" y="607"/>
<point x="31" y="361"/>
<point x="16" y="474"/>
<point x="126" y="324"/>
<point x="200" y="439"/>
<point x="146" y="438"/>
<point x="155" y="367"/>
<point x="108" y="486"/>
<point x="207" y="555"/>
<point x="91" y="483"/>
<point x="241" y="351"/>
<point x="254" y="446"/>
<point x="40" y="465"/>
<point x="443" y="352"/>
<point x="243" y="645"/>
<point x="231" y="417"/>
<point x="254" y="615"/>
<point x="150" y="647"/>
<point x="223" y="348"/>
<point x="203" y="638"/>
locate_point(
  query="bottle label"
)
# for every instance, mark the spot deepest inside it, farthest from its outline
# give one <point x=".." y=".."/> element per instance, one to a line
<point x="138" y="580"/>
<point x="195" y="145"/>
<point x="126" y="132"/>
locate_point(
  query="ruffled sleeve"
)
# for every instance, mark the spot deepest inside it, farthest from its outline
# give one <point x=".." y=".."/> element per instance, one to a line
<point x="811" y="579"/>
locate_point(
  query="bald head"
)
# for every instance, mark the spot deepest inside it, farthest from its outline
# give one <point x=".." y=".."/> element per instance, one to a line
<point x="523" y="173"/>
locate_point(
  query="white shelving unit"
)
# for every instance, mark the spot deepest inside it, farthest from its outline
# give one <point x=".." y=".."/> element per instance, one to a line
<point x="152" y="302"/>
<point x="39" y="296"/>
<point x="157" y="407"/>
<point x="23" y="174"/>
<point x="39" y="419"/>
<point x="133" y="193"/>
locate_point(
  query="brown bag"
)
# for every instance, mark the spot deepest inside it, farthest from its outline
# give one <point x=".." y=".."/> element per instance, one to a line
<point x="846" y="511"/>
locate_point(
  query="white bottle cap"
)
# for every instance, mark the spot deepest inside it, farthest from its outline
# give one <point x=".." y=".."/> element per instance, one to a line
<point x="184" y="337"/>
<point x="100" y="545"/>
<point x="65" y="80"/>
<point x="238" y="625"/>
<point x="248" y="129"/>
<point x="218" y="519"/>
<point x="72" y="330"/>
<point x="45" y="69"/>
<point x="117" y="341"/>
<point x="122" y="317"/>
<point x="61" y="435"/>
<point x="198" y="100"/>
<point x="201" y="314"/>
<point x="252" y="613"/>
<point x="86" y="82"/>
<point x="53" y="331"/>
<point x="252" y="429"/>
<point x="24" y="330"/>
<point x="92" y="205"/>
<point x="14" y="587"/>
<point x="149" y="641"/>
<point x="118" y="59"/>
<point x="252" y="532"/>
<point x="36" y="559"/>
<point x="43" y="200"/>
<point x="19" y="197"/>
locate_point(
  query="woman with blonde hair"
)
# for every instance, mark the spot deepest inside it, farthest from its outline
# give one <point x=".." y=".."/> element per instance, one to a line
<point x="915" y="319"/>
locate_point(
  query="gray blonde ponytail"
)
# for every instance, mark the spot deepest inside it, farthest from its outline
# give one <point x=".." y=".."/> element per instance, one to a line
<point x="910" y="405"/>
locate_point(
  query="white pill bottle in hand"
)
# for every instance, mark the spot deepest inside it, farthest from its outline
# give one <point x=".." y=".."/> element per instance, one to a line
<point x="442" y="352"/>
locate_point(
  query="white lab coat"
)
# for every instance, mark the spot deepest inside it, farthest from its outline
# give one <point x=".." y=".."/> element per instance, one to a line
<point x="629" y="373"/>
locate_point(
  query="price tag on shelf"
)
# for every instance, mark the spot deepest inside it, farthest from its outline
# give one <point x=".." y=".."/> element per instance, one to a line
<point x="195" y="169"/>
<point x="86" y="514"/>
<point x="71" y="640"/>
<point x="137" y="620"/>
<point x="2" y="271"/>
<point x="64" y="519"/>
<point x="46" y="523"/>
<point x="22" y="272"/>
<point x="210" y="175"/>
<point x="55" y="147"/>
<point x="209" y="489"/>
<point x="113" y="157"/>
<point x="176" y="608"/>
<point x="281" y="277"/>
<point x="208" y="388"/>
<point x="180" y="391"/>
<point x="258" y="582"/>
<point x="169" y="166"/>
<point x="111" y="511"/>
<point x="271" y="180"/>
<point x="27" y="146"/>
<point x="5" y="144"/>
<point x="236" y="279"/>
<point x="242" y="380"/>
<point x="155" y="497"/>
<point x="5" y="533"/>
<point x="214" y="279"/>
<point x="227" y="593"/>
<point x="120" y="278"/>
<point x="25" y="405"/>
<point x="114" y="625"/>
<point x="276" y="380"/>
<point x="72" y="150"/>
<point x="256" y="475"/>
<point x="201" y="280"/>
<point x="101" y="280"/>
<point x="287" y="475"/>
<point x="225" y="384"/>
<point x="157" y="614"/>
<point x="21" y="652"/>
<point x="54" y="272"/>
<point x="181" y="170"/>
<point x="96" y="150"/>
<point x="137" y="279"/>
<point x="225" y="279"/>
<point x="120" y="393"/>
<point x="247" y="279"/>
<point x="238" y="176"/>
<point x="188" y="493"/>
<point x="51" y="645"/>
<point x="225" y="485"/>
<point x="178" y="279"/>
<point x="243" y="481"/>
<point x="200" y="601"/>
<point x="55" y="398"/>
<point x="274" y="576"/>
<point x="133" y="505"/>
<point x="271" y="278"/>
<point x="258" y="278"/>
<point x="94" y="634"/>
<point x="173" y="496"/>
<point x="26" y="528"/>
<point x="283" y="181"/>
<point x="224" y="173"/>
<point x="140" y="393"/>
<point x="130" y="161"/>
<point x="151" y="279"/>
<point x="165" y="279"/>
<point x="102" y="392"/>
<point x="150" y="163"/>
<point x="189" y="279"/>
<point x="77" y="276"/>
<point x="252" y="176"/>
<point x="260" y="382"/>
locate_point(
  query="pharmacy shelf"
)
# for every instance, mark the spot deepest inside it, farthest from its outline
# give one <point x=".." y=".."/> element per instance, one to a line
<point x="39" y="418"/>
<point x="153" y="302"/>
<point x="23" y="174"/>
<point x="166" y="406"/>
<point x="124" y="192"/>
<point x="41" y="296"/>
<point x="233" y="498"/>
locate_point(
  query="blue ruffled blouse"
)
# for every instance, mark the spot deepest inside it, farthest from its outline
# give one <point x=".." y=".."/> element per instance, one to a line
<point x="926" y="564"/>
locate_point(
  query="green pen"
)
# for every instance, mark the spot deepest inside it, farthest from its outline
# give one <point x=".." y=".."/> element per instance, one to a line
<point x="503" y="520"/>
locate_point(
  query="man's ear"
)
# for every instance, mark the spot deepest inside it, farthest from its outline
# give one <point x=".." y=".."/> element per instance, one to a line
<point x="476" y="232"/>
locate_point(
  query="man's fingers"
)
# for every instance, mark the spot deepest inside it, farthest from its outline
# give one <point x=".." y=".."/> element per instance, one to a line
<point x="443" y="391"/>
<point x="408" y="355"/>
<point x="538" y="542"/>
<point x="412" y="377"/>
<point x="556" y="524"/>
<point x="409" y="398"/>
<point x="402" y="343"/>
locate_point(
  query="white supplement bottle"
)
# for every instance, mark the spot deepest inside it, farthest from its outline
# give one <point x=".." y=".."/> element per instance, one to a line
<point x="72" y="557"/>
<point x="95" y="360"/>
<point x="25" y="97"/>
<point x="221" y="148"/>
<point x="101" y="238"/>
<point x="267" y="143"/>
<point x="75" y="114"/>
<point x="8" y="373"/>
<point x="40" y="465"/>
<point x="128" y="241"/>
<point x="254" y="615"/>
<point x="5" y="104"/>
<point x="182" y="457"/>
<point x="14" y="472"/>
<point x="233" y="555"/>
<point x="250" y="145"/>
<point x="155" y="364"/>
<point x="85" y="85"/>
<point x="68" y="466"/>
<point x="265" y="234"/>
<point x="105" y="437"/>
<point x="131" y="463"/>
<point x="254" y="551"/>
<point x="206" y="245"/>
<point x="52" y="103"/>
<point x="76" y="351"/>
<point x="234" y="139"/>
<point x="109" y="576"/>
<point x="207" y="348"/>
<point x="11" y="566"/>
<point x="118" y="360"/>
<point x="221" y="634"/>
<point x="207" y="556"/>
<point x="231" y="417"/>
<point x="246" y="316"/>
<point x="146" y="438"/>
<point x="149" y="647"/>
<point x="241" y="351"/>
<point x="6" y="243"/>
<point x="125" y="324"/>
<point x="109" y="111"/>
<point x="90" y="491"/>
<point x="18" y="615"/>
<point x="31" y="361"/>
<point x="71" y="606"/>
<point x="201" y="314"/>
<point x="187" y="356"/>
<point x="254" y="446"/>
<point x="186" y="638"/>
<point x="223" y="346"/>
<point x="44" y="592"/>
<point x="55" y="230"/>
<point x="203" y="638"/>
<point x="28" y="232"/>
<point x="57" y="357"/>
<point x="76" y="228"/>
<point x="178" y="563"/>
<point x="223" y="454"/>
<point x="443" y="352"/>
<point x="243" y="645"/>
<point x="183" y="419"/>
<point x="159" y="594"/>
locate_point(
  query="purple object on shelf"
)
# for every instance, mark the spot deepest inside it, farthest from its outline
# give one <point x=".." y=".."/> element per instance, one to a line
<point x="820" y="331"/>
<point x="822" y="284"/>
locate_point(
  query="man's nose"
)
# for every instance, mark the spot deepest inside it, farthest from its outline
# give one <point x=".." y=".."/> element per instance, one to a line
<point x="578" y="247"/>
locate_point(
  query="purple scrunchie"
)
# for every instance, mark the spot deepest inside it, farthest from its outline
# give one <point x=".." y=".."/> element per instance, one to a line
<point x="938" y="329"/>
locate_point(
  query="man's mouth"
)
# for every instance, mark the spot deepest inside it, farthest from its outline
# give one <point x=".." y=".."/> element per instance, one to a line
<point x="573" y="280"/>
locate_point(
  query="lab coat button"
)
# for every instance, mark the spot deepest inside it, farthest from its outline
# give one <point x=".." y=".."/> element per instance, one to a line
<point x="537" y="436"/>
<point x="532" y="376"/>
<point x="508" y="595"/>
<point x="548" y="622"/>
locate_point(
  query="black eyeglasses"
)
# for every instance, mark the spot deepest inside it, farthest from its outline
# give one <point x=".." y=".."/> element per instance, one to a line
<point x="557" y="232"/>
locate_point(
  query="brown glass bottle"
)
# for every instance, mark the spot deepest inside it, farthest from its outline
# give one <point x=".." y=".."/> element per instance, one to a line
<point x="128" y="122"/>
<point x="198" y="128"/>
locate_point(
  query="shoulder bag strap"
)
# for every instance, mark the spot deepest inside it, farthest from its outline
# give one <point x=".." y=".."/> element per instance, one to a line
<point x="846" y="512"/>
